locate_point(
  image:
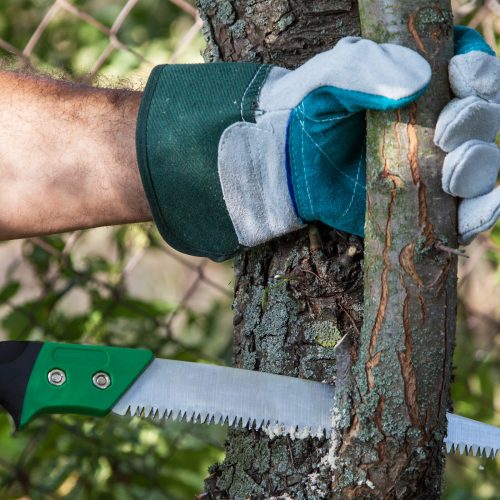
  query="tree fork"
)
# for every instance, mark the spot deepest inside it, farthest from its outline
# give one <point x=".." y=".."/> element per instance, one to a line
<point x="298" y="303"/>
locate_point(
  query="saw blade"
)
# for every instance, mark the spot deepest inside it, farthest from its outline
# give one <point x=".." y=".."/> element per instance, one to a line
<point x="190" y="392"/>
<point x="196" y="392"/>
<point x="469" y="436"/>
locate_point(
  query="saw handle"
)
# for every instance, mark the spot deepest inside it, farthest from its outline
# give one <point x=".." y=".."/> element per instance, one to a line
<point x="37" y="378"/>
<point x="17" y="359"/>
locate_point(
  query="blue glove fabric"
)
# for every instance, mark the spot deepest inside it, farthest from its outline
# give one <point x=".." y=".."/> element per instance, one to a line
<point x="467" y="39"/>
<point x="326" y="162"/>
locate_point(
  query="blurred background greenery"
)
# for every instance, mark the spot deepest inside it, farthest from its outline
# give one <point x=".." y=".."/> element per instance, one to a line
<point x="123" y="286"/>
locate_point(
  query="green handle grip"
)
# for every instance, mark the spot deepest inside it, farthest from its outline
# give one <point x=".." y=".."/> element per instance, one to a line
<point x="65" y="378"/>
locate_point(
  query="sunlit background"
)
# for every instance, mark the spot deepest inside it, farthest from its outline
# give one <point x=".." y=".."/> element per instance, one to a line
<point x="124" y="286"/>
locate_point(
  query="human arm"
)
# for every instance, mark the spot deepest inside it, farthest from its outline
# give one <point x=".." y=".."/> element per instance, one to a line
<point x="67" y="157"/>
<point x="231" y="155"/>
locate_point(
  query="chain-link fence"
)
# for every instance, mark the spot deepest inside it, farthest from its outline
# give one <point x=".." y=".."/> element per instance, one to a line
<point x="124" y="286"/>
<point x="118" y="286"/>
<point x="60" y="8"/>
<point x="198" y="272"/>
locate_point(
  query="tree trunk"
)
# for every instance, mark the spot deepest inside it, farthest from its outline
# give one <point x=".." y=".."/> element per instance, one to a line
<point x="298" y="303"/>
<point x="394" y="417"/>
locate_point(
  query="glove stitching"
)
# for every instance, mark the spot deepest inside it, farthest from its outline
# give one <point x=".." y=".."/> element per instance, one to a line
<point x="464" y="78"/>
<point x="297" y="192"/>
<point x="246" y="91"/>
<point x="270" y="111"/>
<point x="458" y="68"/>
<point x="346" y="211"/>
<point x="335" y="118"/>
<point x="355" y="181"/>
<point x="318" y="147"/>
<point x="304" y="165"/>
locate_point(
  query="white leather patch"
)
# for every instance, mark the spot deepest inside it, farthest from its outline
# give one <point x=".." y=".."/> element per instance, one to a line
<point x="465" y="119"/>
<point x="253" y="178"/>
<point x="476" y="215"/>
<point x="471" y="169"/>
<point x="475" y="73"/>
<point x="353" y="64"/>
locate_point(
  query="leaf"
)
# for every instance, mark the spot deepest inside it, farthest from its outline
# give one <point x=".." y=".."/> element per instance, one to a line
<point x="8" y="291"/>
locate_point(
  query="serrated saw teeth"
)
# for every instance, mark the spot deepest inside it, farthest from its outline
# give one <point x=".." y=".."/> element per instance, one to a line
<point x="275" y="404"/>
<point x="472" y="450"/>
<point x="221" y="395"/>
<point x="272" y="428"/>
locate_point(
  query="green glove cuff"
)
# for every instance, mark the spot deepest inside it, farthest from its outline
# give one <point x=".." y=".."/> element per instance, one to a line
<point x="184" y="111"/>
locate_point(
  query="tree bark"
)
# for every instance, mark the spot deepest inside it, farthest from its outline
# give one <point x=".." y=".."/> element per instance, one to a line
<point x="400" y="383"/>
<point x="298" y="305"/>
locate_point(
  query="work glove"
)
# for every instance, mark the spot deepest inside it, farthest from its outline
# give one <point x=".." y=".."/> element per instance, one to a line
<point x="466" y="130"/>
<point x="232" y="155"/>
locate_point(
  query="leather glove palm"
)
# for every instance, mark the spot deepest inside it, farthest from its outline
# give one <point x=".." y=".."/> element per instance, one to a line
<point x="233" y="155"/>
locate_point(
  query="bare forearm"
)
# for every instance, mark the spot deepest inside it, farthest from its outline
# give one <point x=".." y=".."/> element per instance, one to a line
<point x="67" y="157"/>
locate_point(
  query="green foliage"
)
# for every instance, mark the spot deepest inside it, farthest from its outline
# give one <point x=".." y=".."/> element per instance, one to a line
<point x="72" y="45"/>
<point x="81" y="458"/>
<point x="475" y="395"/>
<point x="52" y="289"/>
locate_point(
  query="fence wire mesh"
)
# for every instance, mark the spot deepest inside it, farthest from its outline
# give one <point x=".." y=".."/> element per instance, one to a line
<point x="124" y="286"/>
<point x="119" y="286"/>
<point x="59" y="11"/>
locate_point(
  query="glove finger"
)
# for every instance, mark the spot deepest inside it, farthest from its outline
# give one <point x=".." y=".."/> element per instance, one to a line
<point x="366" y="75"/>
<point x="476" y="215"/>
<point x="251" y="163"/>
<point x="465" y="119"/>
<point x="475" y="74"/>
<point x="471" y="169"/>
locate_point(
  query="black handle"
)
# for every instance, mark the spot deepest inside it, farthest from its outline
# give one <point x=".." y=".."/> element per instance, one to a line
<point x="17" y="359"/>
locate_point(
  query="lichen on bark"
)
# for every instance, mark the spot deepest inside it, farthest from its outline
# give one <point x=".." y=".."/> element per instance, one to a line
<point x="295" y="297"/>
<point x="286" y="292"/>
<point x="286" y="296"/>
<point x="400" y="383"/>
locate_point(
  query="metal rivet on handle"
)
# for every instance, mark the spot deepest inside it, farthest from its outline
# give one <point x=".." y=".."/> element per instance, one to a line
<point x="56" y="377"/>
<point x="101" y="380"/>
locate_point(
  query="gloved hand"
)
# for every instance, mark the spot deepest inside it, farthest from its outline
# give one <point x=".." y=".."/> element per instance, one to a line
<point x="466" y="130"/>
<point x="220" y="170"/>
<point x="236" y="154"/>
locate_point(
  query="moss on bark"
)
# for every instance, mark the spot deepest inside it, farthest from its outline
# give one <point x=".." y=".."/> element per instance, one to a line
<point x="400" y="384"/>
<point x="295" y="297"/>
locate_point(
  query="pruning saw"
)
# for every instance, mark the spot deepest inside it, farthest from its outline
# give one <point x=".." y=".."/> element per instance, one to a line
<point x="38" y="378"/>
